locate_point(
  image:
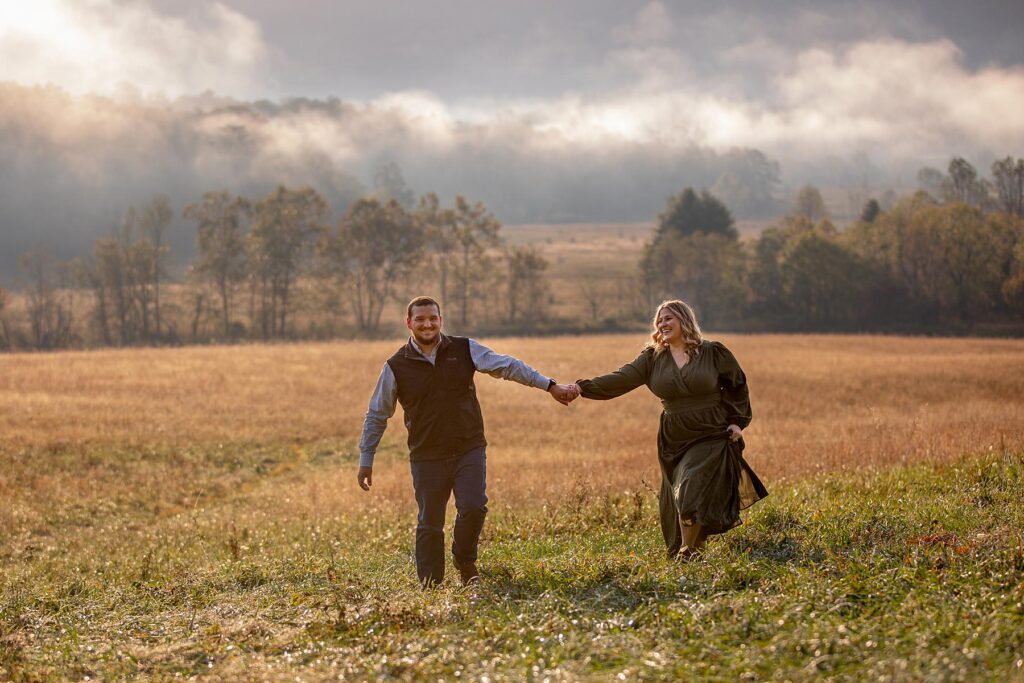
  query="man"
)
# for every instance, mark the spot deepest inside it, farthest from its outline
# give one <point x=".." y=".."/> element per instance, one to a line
<point x="432" y="377"/>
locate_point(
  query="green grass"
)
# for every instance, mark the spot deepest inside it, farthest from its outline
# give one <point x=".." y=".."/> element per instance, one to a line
<point x="910" y="574"/>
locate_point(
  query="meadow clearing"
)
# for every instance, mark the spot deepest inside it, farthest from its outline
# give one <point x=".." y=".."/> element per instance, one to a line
<point x="193" y="512"/>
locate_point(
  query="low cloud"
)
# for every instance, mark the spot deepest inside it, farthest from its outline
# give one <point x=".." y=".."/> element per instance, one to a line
<point x="897" y="101"/>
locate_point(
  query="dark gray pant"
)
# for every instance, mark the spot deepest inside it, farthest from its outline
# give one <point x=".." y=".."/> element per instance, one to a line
<point x="434" y="481"/>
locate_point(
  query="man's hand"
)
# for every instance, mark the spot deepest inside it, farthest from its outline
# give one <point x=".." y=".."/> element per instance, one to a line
<point x="735" y="433"/>
<point x="564" y="393"/>
<point x="365" y="478"/>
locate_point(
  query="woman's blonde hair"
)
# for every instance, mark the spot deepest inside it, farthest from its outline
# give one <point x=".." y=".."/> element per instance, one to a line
<point x="687" y="322"/>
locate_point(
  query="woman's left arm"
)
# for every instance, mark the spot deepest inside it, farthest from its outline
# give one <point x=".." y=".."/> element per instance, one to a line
<point x="627" y="378"/>
<point x="733" y="384"/>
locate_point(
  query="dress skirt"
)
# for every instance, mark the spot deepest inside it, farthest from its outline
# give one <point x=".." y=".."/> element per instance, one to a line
<point x="705" y="479"/>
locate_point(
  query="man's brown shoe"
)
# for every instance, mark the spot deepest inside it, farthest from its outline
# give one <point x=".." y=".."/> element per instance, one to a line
<point x="467" y="571"/>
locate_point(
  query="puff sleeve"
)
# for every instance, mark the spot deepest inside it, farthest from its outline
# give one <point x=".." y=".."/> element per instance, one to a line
<point x="733" y="384"/>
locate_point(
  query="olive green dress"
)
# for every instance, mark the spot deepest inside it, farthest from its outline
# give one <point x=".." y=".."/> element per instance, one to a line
<point x="705" y="479"/>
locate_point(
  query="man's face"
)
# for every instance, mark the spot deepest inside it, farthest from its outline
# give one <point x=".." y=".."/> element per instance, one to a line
<point x="425" y="324"/>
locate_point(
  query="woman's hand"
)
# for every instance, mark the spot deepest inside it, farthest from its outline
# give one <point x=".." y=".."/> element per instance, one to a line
<point x="564" y="393"/>
<point x="734" y="433"/>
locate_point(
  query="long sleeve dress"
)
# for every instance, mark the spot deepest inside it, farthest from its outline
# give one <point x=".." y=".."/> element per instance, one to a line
<point x="705" y="479"/>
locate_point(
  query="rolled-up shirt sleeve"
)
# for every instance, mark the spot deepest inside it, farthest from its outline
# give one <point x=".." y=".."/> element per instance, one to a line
<point x="505" y="367"/>
<point x="380" y="410"/>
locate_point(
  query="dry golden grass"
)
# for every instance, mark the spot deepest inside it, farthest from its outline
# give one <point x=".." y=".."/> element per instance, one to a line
<point x="594" y="260"/>
<point x="820" y="403"/>
<point x="163" y="504"/>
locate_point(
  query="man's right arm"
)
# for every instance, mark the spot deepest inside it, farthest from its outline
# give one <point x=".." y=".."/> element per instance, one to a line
<point x="380" y="410"/>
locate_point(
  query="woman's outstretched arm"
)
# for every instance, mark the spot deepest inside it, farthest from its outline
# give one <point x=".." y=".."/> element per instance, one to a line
<point x="625" y="379"/>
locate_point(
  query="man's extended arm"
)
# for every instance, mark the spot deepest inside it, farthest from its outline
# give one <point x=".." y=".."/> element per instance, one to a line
<point x="515" y="370"/>
<point x="380" y="410"/>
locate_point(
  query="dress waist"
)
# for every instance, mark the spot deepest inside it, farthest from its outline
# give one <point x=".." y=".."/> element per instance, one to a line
<point x="686" y="404"/>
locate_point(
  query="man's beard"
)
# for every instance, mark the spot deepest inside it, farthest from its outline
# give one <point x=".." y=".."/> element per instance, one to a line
<point x="422" y="341"/>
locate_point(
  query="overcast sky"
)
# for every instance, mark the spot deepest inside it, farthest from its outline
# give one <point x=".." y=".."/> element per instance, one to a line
<point x="465" y="49"/>
<point x="826" y="88"/>
<point x="827" y="77"/>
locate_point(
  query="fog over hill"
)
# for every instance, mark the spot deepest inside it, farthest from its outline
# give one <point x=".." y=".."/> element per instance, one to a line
<point x="74" y="163"/>
<point x="585" y="111"/>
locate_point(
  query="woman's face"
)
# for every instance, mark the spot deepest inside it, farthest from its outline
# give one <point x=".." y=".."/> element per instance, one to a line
<point x="669" y="326"/>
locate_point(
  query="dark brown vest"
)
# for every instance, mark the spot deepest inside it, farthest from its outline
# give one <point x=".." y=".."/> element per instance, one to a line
<point x="442" y="413"/>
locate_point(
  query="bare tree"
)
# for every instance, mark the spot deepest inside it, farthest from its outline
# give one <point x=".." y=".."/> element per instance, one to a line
<point x="285" y="223"/>
<point x="111" y="283"/>
<point x="475" y="230"/>
<point x="389" y="183"/>
<point x="933" y="181"/>
<point x="117" y="274"/>
<point x="220" y="245"/>
<point x="438" y="225"/>
<point x="594" y="296"/>
<point x="154" y="220"/>
<point x="137" y="263"/>
<point x="1008" y="178"/>
<point x="964" y="185"/>
<point x="49" y="299"/>
<point x="5" y="337"/>
<point x="377" y="246"/>
<point x="527" y="288"/>
<point x="810" y="204"/>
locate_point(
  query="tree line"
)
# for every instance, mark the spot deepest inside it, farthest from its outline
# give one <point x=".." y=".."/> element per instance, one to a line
<point x="948" y="259"/>
<point x="261" y="263"/>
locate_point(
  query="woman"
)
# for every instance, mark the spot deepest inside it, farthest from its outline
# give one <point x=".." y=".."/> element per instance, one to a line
<point x="705" y="480"/>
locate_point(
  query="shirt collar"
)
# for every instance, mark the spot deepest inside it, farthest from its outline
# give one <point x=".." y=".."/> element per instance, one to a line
<point x="414" y="347"/>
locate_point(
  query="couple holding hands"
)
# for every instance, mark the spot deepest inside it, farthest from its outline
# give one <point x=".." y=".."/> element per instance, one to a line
<point x="705" y="480"/>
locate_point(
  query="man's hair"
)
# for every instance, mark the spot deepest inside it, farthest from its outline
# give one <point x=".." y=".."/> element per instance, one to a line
<point x="421" y="301"/>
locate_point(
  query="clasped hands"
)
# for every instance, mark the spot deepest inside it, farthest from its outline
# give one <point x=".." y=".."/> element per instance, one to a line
<point x="565" y="393"/>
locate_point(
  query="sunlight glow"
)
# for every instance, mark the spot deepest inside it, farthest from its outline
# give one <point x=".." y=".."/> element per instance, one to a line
<point x="102" y="45"/>
<point x="49" y="23"/>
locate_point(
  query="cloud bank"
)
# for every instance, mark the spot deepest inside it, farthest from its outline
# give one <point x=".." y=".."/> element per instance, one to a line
<point x="649" y="114"/>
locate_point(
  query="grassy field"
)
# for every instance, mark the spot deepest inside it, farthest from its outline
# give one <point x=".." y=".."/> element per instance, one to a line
<point x="591" y="262"/>
<point x="194" y="512"/>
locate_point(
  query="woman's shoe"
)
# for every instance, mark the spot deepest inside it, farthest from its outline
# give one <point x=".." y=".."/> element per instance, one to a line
<point x="687" y="554"/>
